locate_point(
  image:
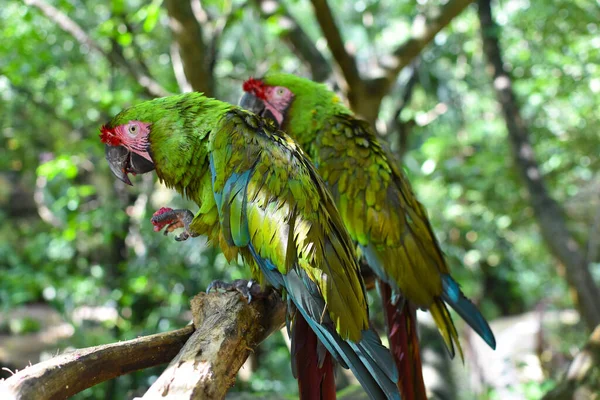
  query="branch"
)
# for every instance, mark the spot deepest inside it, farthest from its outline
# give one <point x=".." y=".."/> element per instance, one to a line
<point x="295" y="37"/>
<point x="581" y="379"/>
<point x="68" y="374"/>
<point x="409" y="50"/>
<point x="151" y="87"/>
<point x="189" y="36"/>
<point x="228" y="329"/>
<point x="548" y="212"/>
<point x="330" y="30"/>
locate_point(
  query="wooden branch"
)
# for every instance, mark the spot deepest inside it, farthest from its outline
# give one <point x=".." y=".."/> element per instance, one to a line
<point x="188" y="33"/>
<point x="409" y="50"/>
<point x="296" y="38"/>
<point x="548" y="212"/>
<point x="332" y="34"/>
<point x="227" y="330"/>
<point x="581" y="380"/>
<point x="68" y="374"/>
<point x="151" y="87"/>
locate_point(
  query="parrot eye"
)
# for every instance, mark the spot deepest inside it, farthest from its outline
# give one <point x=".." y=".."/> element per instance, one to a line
<point x="133" y="129"/>
<point x="280" y="91"/>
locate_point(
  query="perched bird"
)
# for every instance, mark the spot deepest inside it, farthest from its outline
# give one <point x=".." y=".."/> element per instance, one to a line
<point x="260" y="197"/>
<point x="379" y="209"/>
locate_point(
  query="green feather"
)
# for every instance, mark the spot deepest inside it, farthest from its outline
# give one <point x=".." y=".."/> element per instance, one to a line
<point x="374" y="196"/>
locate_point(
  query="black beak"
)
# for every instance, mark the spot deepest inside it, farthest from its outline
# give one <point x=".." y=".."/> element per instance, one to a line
<point x="122" y="162"/>
<point x="252" y="103"/>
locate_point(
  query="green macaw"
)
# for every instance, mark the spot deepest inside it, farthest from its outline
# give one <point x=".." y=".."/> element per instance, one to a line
<point x="260" y="197"/>
<point x="379" y="210"/>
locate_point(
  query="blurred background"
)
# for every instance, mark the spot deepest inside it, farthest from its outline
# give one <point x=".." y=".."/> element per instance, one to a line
<point x="500" y="142"/>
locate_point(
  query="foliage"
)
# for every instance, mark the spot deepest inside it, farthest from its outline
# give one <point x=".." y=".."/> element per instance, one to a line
<point x="71" y="236"/>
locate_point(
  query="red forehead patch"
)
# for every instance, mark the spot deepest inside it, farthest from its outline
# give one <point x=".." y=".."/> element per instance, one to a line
<point x="108" y="136"/>
<point x="256" y="87"/>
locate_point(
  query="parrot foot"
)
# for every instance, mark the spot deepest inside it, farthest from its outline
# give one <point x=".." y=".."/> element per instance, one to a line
<point x="248" y="289"/>
<point x="173" y="219"/>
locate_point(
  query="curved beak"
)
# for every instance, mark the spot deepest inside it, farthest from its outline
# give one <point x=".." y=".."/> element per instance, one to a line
<point x="122" y="162"/>
<point x="252" y="103"/>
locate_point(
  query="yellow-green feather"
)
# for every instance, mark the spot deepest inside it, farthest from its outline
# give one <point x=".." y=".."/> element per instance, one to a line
<point x="186" y="129"/>
<point x="373" y="195"/>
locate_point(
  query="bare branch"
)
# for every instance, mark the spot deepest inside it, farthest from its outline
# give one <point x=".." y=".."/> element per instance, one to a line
<point x="68" y="374"/>
<point x="332" y="34"/>
<point x="427" y="30"/>
<point x="228" y="329"/>
<point x="295" y="37"/>
<point x="548" y="212"/>
<point x="188" y="33"/>
<point x="151" y="87"/>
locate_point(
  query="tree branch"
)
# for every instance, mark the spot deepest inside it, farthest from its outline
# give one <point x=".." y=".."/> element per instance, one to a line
<point x="332" y="34"/>
<point x="228" y="329"/>
<point x="151" y="87"/>
<point x="548" y="212"/>
<point x="68" y="374"/>
<point x="295" y="37"/>
<point x="409" y="50"/>
<point x="189" y="36"/>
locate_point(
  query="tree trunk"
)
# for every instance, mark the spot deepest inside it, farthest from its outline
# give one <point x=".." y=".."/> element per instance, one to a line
<point x="548" y="212"/>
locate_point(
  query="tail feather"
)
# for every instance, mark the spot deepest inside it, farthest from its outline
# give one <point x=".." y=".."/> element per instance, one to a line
<point x="312" y="368"/>
<point x="377" y="359"/>
<point x="373" y="378"/>
<point x="360" y="357"/>
<point x="404" y="345"/>
<point x="467" y="310"/>
<point x="445" y="325"/>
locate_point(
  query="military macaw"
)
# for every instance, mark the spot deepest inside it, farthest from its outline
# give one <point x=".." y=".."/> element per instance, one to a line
<point x="379" y="209"/>
<point x="259" y="196"/>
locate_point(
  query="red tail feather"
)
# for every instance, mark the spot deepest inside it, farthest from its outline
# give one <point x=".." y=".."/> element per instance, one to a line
<point x="404" y="345"/>
<point x="313" y="382"/>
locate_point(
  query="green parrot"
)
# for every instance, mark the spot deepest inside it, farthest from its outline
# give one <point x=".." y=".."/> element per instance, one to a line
<point x="260" y="197"/>
<point x="379" y="209"/>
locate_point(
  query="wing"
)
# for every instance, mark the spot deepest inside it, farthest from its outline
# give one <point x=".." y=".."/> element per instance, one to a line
<point x="380" y="210"/>
<point x="271" y="200"/>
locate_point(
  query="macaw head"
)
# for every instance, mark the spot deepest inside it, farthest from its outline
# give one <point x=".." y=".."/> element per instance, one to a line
<point x="297" y="105"/>
<point x="266" y="100"/>
<point x="127" y="145"/>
